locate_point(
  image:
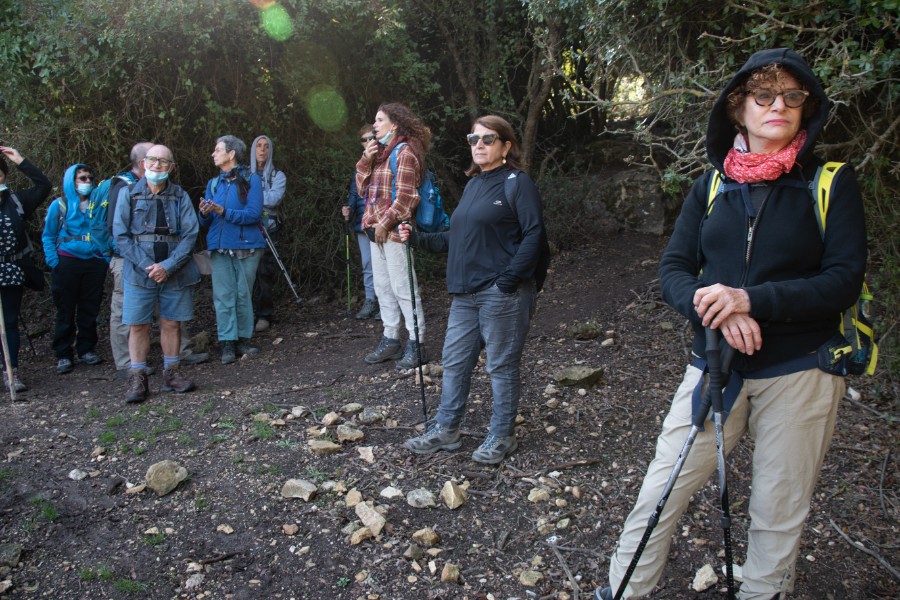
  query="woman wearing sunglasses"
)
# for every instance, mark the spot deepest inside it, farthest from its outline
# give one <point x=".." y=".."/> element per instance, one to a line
<point x="493" y="247"/>
<point x="78" y="248"/>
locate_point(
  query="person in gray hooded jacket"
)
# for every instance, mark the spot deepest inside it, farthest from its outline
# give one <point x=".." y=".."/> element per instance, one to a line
<point x="754" y="265"/>
<point x="273" y="183"/>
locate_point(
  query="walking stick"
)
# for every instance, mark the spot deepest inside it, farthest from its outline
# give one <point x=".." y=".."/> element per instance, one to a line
<point x="412" y="295"/>
<point x="347" y="259"/>
<point x="719" y="369"/>
<point x="10" y="380"/>
<point x="28" y="337"/>
<point x="274" y="252"/>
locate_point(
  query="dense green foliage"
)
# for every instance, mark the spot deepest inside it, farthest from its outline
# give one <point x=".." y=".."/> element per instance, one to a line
<point x="82" y="80"/>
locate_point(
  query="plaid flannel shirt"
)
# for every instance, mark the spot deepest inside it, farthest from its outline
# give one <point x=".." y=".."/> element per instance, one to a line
<point x="374" y="184"/>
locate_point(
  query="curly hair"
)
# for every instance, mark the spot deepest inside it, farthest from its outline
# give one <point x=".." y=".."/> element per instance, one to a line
<point x="767" y="76"/>
<point x="506" y="133"/>
<point x="408" y="124"/>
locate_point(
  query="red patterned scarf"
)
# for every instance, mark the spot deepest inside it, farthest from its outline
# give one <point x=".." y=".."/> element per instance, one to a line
<point x="751" y="167"/>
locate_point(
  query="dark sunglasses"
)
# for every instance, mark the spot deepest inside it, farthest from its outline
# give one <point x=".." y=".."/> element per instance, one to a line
<point x="366" y="139"/>
<point x="85" y="178"/>
<point x="488" y="138"/>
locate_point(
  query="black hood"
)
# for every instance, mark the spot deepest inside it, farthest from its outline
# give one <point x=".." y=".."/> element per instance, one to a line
<point x="720" y="132"/>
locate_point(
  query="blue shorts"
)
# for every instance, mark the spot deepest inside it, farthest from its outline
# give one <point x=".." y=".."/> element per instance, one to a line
<point x="140" y="304"/>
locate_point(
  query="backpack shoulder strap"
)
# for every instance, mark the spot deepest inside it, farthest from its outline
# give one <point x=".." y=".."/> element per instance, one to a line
<point x="15" y="200"/>
<point x="511" y="189"/>
<point x="392" y="162"/>
<point x="821" y="190"/>
<point x="715" y="185"/>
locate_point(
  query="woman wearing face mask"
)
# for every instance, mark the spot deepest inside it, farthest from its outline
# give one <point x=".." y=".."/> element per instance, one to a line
<point x="77" y="247"/>
<point x="391" y="198"/>
<point x="17" y="267"/>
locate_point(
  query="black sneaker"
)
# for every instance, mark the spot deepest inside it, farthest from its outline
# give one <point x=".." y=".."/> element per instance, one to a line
<point x="243" y="347"/>
<point x="64" y="366"/>
<point x="388" y="349"/>
<point x="410" y="358"/>
<point x="90" y="358"/>
<point x="228" y="355"/>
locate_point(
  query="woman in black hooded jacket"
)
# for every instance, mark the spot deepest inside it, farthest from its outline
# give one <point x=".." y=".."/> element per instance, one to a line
<point x="755" y="265"/>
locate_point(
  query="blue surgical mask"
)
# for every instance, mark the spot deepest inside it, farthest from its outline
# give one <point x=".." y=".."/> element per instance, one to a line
<point x="156" y="177"/>
<point x="383" y="141"/>
<point x="84" y="189"/>
<point x="3" y="187"/>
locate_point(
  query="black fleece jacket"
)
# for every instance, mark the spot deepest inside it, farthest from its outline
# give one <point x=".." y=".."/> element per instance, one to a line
<point x="798" y="284"/>
<point x="486" y="243"/>
<point x="30" y="198"/>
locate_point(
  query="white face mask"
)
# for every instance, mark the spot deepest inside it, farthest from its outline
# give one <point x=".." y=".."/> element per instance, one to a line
<point x="84" y="189"/>
<point x="383" y="141"/>
<point x="3" y="187"/>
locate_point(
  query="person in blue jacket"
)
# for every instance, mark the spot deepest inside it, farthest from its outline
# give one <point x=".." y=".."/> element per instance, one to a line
<point x="77" y="247"/>
<point x="231" y="210"/>
<point x="353" y="212"/>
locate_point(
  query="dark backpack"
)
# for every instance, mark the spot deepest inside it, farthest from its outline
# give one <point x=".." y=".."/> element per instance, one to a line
<point x="511" y="189"/>
<point x="430" y="215"/>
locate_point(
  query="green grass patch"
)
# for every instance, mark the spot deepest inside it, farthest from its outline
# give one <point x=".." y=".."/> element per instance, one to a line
<point x="155" y="539"/>
<point x="101" y="572"/>
<point x="238" y="459"/>
<point x="130" y="586"/>
<point x="207" y="408"/>
<point x="107" y="438"/>
<point x="115" y="421"/>
<point x="172" y="424"/>
<point x="262" y="430"/>
<point x="226" y="423"/>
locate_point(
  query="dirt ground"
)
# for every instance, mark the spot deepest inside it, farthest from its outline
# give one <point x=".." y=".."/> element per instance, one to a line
<point x="227" y="532"/>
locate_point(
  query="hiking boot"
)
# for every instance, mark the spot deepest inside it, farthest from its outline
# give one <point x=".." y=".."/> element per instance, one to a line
<point x="138" y="386"/>
<point x="410" y="358"/>
<point x="192" y="358"/>
<point x="126" y="373"/>
<point x="90" y="358"/>
<point x="494" y="449"/>
<point x="436" y="438"/>
<point x="603" y="594"/>
<point x="244" y="347"/>
<point x="228" y="356"/>
<point x="64" y="366"/>
<point x="388" y="349"/>
<point x="262" y="325"/>
<point x="16" y="382"/>
<point x="174" y="381"/>
<point x="369" y="309"/>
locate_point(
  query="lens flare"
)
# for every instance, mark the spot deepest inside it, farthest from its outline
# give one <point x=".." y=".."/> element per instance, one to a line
<point x="326" y="108"/>
<point x="276" y="22"/>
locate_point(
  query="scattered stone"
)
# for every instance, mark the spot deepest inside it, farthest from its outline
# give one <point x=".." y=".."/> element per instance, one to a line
<point x="350" y="527"/>
<point x="262" y="417"/>
<point x="371" y="415"/>
<point x="194" y="567"/>
<point x="563" y="523"/>
<point x="704" y="579"/>
<point x="353" y="498"/>
<point x="346" y="433"/>
<point x="324" y="447"/>
<point x="299" y="488"/>
<point x="370" y="517"/>
<point x="414" y="552"/>
<point x="330" y="419"/>
<point x="453" y="495"/>
<point x="582" y="392"/>
<point x="427" y="537"/>
<point x="588" y="330"/>
<point x="360" y="535"/>
<point x="450" y="573"/>
<point x="530" y="578"/>
<point x="135" y="489"/>
<point x="164" y="476"/>
<point x="366" y="453"/>
<point x="578" y="376"/>
<point x="98" y="451"/>
<point x="435" y="370"/>
<point x="736" y="570"/>
<point x="194" y="581"/>
<point x="666" y="326"/>
<point x="552" y="403"/>
<point x="391" y="493"/>
<point x="608" y="342"/>
<point x="277" y="341"/>
<point x="576" y="492"/>
<point x="428" y="380"/>
<point x="432" y="567"/>
<point x="77" y="474"/>
<point x="561" y="503"/>
<point x="551" y="390"/>
<point x="538" y="495"/>
<point x="5" y="585"/>
<point x="225" y="528"/>
<point x="550" y="429"/>
<point x="351" y="408"/>
<point x="420" y="498"/>
<point x="152" y="531"/>
<point x="277" y="423"/>
<point x="298" y="412"/>
<point x="290" y="529"/>
<point x="315" y="431"/>
<point x="10" y="554"/>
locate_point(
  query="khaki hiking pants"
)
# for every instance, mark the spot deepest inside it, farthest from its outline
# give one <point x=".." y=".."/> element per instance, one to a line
<point x="791" y="419"/>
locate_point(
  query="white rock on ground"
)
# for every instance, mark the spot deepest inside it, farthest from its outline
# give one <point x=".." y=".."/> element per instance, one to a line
<point x="299" y="488"/>
<point x="705" y="578"/>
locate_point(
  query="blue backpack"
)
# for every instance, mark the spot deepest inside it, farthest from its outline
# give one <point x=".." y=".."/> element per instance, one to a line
<point x="430" y="215"/>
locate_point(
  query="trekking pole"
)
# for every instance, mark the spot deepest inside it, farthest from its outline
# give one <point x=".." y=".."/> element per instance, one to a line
<point x="717" y="377"/>
<point x="412" y="296"/>
<point x="28" y="337"/>
<point x="347" y="259"/>
<point x="10" y="380"/>
<point x="697" y="420"/>
<point x="274" y="252"/>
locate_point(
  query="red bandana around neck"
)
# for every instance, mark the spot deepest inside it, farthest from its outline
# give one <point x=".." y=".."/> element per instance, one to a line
<point x="752" y="167"/>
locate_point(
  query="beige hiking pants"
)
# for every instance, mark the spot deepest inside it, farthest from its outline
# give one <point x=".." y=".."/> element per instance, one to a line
<point x="791" y="419"/>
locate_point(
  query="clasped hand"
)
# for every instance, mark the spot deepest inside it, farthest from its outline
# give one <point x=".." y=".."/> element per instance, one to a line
<point x="728" y="310"/>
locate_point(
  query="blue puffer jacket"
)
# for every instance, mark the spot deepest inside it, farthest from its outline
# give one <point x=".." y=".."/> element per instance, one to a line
<point x="238" y="228"/>
<point x="83" y="235"/>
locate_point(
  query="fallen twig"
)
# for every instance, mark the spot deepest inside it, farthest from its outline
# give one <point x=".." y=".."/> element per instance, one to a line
<point x="565" y="568"/>
<point x="862" y="548"/>
<point x="884" y="464"/>
<point x="219" y="558"/>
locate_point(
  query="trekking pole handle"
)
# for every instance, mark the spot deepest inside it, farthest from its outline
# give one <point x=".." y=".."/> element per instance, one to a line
<point x="400" y="232"/>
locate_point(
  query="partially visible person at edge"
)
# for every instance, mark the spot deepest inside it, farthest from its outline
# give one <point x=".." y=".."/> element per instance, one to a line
<point x="17" y="267"/>
<point x="757" y="269"/>
<point x="231" y="210"/>
<point x="273" y="185"/>
<point x="390" y="200"/>
<point x="77" y="247"/>
<point x="156" y="228"/>
<point x="353" y="212"/>
<point x="493" y="249"/>
<point x="118" y="331"/>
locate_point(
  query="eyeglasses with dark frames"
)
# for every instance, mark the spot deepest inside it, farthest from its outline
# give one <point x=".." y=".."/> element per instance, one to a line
<point x="766" y="97"/>
<point x="155" y="160"/>
<point x="487" y="138"/>
<point x="85" y="178"/>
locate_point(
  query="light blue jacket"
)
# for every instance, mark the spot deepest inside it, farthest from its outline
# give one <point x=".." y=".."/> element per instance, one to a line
<point x="67" y="229"/>
<point x="135" y="223"/>
<point x="238" y="227"/>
